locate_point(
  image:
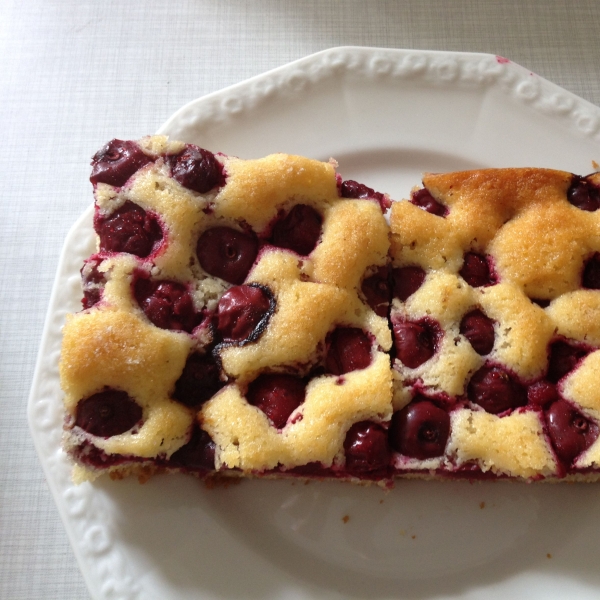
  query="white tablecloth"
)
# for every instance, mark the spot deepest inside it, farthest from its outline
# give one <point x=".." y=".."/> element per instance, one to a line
<point x="74" y="74"/>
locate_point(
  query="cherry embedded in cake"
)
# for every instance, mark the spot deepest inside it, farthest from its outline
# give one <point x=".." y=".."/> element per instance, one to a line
<point x="299" y="230"/>
<point x="117" y="162"/>
<point x="377" y="289"/>
<point x="584" y="194"/>
<point x="423" y="199"/>
<point x="349" y="350"/>
<point x="167" y="304"/>
<point x="262" y="318"/>
<point x="128" y="229"/>
<point x="476" y="270"/>
<point x="278" y="395"/>
<point x="200" y="380"/>
<point x="108" y="413"/>
<point x="414" y="342"/>
<point x="227" y="253"/>
<point x="366" y="448"/>
<point x="196" y="169"/>
<point x="479" y="330"/>
<point x="496" y="391"/>
<point x="406" y="281"/>
<point x="420" y="430"/>
<point x="242" y="312"/>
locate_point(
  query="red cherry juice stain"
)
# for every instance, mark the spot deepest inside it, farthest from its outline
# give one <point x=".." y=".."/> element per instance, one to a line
<point x="501" y="60"/>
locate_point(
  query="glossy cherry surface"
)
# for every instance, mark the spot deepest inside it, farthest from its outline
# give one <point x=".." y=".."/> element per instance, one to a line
<point x="479" y="330"/>
<point x="116" y="162"/>
<point x="570" y="431"/>
<point x="542" y="393"/>
<point x="278" y="395"/>
<point x="406" y="281"/>
<point x="299" y="230"/>
<point x="476" y="270"/>
<point x="423" y="199"/>
<point x="420" y="430"/>
<point x="108" y="413"/>
<point x="240" y="311"/>
<point x="366" y="447"/>
<point x="168" y="304"/>
<point x="414" y="342"/>
<point x="197" y="169"/>
<point x="349" y="350"/>
<point x="496" y="390"/>
<point x="353" y="189"/>
<point x="198" y="453"/>
<point x="129" y="229"/>
<point x="377" y="290"/>
<point x="227" y="253"/>
<point x="584" y="194"/>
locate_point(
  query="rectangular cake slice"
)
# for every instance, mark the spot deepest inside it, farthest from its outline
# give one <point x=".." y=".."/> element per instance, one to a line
<point x="261" y="318"/>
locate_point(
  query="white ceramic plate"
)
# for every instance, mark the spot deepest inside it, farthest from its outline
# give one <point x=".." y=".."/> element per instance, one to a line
<point x="386" y="116"/>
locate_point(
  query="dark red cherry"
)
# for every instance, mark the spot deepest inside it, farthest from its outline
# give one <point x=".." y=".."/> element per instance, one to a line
<point x="591" y="273"/>
<point x="227" y="253"/>
<point x="92" y="281"/>
<point x="278" y="395"/>
<point x="198" y="453"/>
<point x="129" y="229"/>
<point x="167" y="304"/>
<point x="378" y="291"/>
<point x="495" y="390"/>
<point x="407" y="280"/>
<point x="420" y="430"/>
<point x="479" y="330"/>
<point x="242" y="311"/>
<point x="570" y="431"/>
<point x="91" y="297"/>
<point x="117" y="162"/>
<point x="199" y="381"/>
<point x="299" y="230"/>
<point x="353" y="189"/>
<point x="197" y="169"/>
<point x="349" y="349"/>
<point x="414" y="342"/>
<point x="584" y="194"/>
<point x="108" y="413"/>
<point x="423" y="199"/>
<point x="476" y="270"/>
<point x="542" y="393"/>
<point x="366" y="447"/>
<point x="563" y="359"/>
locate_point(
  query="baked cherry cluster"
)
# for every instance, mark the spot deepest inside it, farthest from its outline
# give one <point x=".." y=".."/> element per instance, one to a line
<point x="420" y="430"/>
<point x="242" y="313"/>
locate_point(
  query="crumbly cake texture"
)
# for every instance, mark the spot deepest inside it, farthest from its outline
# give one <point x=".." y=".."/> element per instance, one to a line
<point x="262" y="318"/>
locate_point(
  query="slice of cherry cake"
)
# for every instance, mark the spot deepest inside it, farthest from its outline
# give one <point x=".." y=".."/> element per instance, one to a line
<point x="225" y="328"/>
<point x="496" y="325"/>
<point x="261" y="318"/>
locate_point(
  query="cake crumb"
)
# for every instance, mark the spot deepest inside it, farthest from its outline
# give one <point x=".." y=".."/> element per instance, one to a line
<point x="482" y="505"/>
<point x="381" y="501"/>
<point x="414" y="537"/>
<point x="345" y="518"/>
<point x="548" y="555"/>
<point x="402" y="532"/>
<point x="595" y="165"/>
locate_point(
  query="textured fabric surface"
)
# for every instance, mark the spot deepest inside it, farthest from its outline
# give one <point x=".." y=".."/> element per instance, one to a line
<point x="76" y="73"/>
